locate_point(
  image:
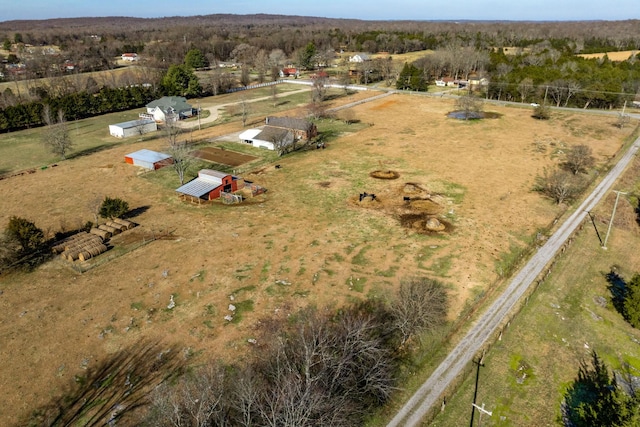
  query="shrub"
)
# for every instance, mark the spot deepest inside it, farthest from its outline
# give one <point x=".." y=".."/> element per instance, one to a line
<point x="113" y="207"/>
<point x="25" y="233"/>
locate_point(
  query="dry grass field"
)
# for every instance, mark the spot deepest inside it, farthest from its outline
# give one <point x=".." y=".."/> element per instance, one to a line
<point x="613" y="56"/>
<point x="308" y="240"/>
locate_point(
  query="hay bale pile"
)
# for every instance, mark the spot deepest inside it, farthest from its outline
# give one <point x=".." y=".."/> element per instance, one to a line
<point x="124" y="222"/>
<point x="80" y="246"/>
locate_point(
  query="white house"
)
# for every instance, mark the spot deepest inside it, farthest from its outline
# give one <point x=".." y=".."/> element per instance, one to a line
<point x="132" y="128"/>
<point x="359" y="57"/>
<point x="169" y="107"/>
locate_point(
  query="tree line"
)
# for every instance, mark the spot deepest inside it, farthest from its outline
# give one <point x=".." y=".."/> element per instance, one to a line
<point x="75" y="106"/>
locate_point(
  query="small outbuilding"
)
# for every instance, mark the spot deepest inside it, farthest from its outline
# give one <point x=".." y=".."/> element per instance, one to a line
<point x="149" y="159"/>
<point x="209" y="184"/>
<point x="133" y="128"/>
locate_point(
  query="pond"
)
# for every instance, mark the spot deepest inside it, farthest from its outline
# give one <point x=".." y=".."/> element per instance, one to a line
<point x="472" y="115"/>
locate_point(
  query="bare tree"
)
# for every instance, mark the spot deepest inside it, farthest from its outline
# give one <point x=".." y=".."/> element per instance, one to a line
<point x="179" y="150"/>
<point x="421" y="304"/>
<point x="470" y="106"/>
<point x="559" y="185"/>
<point x="526" y="88"/>
<point x="244" y="110"/>
<point x="56" y="133"/>
<point x="579" y="158"/>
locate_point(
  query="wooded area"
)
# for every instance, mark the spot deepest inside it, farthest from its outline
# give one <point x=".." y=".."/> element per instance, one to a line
<point x="519" y="61"/>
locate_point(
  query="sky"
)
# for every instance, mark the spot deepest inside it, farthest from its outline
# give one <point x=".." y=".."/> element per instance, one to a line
<point x="512" y="10"/>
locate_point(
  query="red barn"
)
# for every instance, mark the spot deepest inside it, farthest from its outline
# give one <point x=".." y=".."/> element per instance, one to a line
<point x="209" y="184"/>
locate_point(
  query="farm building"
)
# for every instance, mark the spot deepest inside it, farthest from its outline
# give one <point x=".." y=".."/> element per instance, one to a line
<point x="169" y="108"/>
<point x="302" y="128"/>
<point x="289" y="71"/>
<point x="209" y="184"/>
<point x="130" y="57"/>
<point x="268" y="137"/>
<point x="133" y="128"/>
<point x="149" y="159"/>
<point x="359" y="57"/>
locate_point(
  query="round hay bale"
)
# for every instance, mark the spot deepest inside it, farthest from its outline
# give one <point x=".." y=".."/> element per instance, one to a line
<point x="433" y="224"/>
<point x="111" y="230"/>
<point x="117" y="225"/>
<point x="103" y="234"/>
<point x="125" y="222"/>
<point x="83" y="256"/>
<point x="97" y="250"/>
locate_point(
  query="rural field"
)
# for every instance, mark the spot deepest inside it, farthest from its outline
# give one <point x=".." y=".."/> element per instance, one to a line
<point x="311" y="239"/>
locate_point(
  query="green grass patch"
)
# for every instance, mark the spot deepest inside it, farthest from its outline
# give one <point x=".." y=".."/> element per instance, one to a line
<point x="242" y="307"/>
<point x="243" y="289"/>
<point x="137" y="306"/>
<point x="390" y="272"/>
<point x="356" y="283"/>
<point x="360" y="258"/>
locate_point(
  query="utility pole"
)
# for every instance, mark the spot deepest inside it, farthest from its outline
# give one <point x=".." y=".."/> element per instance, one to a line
<point x="199" y="115"/>
<point x="594" y="226"/>
<point x="618" y="193"/>
<point x="478" y="364"/>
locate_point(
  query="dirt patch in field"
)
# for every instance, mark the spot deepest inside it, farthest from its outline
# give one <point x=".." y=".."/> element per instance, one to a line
<point x="388" y="174"/>
<point x="222" y="156"/>
<point x="309" y="230"/>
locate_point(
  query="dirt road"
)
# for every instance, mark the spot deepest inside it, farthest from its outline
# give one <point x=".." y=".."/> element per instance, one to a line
<point x="431" y="391"/>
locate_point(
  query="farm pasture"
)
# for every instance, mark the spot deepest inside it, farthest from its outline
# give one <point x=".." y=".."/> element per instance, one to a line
<point x="308" y="240"/>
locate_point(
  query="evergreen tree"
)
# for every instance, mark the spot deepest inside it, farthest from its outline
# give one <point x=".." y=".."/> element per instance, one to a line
<point x="25" y="233"/>
<point x="412" y="78"/>
<point x="195" y="59"/>
<point x="594" y="399"/>
<point x="180" y="80"/>
<point x="113" y="207"/>
<point x="632" y="301"/>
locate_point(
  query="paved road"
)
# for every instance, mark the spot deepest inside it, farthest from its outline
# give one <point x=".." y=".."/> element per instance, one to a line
<point x="430" y="393"/>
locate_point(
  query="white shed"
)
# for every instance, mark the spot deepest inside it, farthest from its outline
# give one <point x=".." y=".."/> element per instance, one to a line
<point x="133" y="128"/>
<point x="149" y="159"/>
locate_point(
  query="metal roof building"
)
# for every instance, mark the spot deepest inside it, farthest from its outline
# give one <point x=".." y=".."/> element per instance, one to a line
<point x="148" y="159"/>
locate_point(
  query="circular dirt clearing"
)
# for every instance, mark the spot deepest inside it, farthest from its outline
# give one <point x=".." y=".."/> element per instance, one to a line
<point x="424" y="223"/>
<point x="388" y="174"/>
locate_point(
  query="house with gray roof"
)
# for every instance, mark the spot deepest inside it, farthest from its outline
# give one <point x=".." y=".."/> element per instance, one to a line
<point x="169" y="108"/>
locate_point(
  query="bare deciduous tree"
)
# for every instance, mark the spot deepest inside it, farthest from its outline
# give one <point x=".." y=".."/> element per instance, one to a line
<point x="559" y="185"/>
<point x="470" y="106"/>
<point x="179" y="150"/>
<point x="579" y="158"/>
<point x="56" y="133"/>
<point x="422" y="303"/>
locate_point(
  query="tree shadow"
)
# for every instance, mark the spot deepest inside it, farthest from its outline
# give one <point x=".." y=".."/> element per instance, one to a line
<point x="113" y="390"/>
<point x="88" y="151"/>
<point x="618" y="288"/>
<point x="135" y="212"/>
